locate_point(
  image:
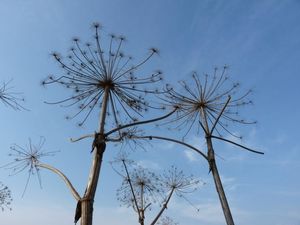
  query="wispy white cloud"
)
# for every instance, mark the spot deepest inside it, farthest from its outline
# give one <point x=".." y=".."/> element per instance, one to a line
<point x="280" y="139"/>
<point x="229" y="183"/>
<point x="115" y="216"/>
<point x="208" y="213"/>
<point x="249" y="140"/>
<point x="288" y="158"/>
<point x="191" y="156"/>
<point x="197" y="142"/>
<point x="167" y="145"/>
<point x="31" y="215"/>
<point x="288" y="193"/>
<point x="149" y="164"/>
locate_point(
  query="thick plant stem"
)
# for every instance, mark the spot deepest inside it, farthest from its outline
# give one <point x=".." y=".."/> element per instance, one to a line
<point x="86" y="212"/>
<point x="99" y="146"/>
<point x="218" y="182"/>
<point x="213" y="166"/>
<point x="142" y="211"/>
<point x="164" y="207"/>
<point x="88" y="199"/>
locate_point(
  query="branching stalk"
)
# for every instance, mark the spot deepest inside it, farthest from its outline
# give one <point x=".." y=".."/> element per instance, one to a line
<point x="132" y="190"/>
<point x="82" y="137"/>
<point x="218" y="184"/>
<point x="174" y="141"/>
<point x="99" y="148"/>
<point x="213" y="168"/>
<point x="140" y="122"/>
<point x="218" y="118"/>
<point x="239" y="145"/>
<point x="164" y="207"/>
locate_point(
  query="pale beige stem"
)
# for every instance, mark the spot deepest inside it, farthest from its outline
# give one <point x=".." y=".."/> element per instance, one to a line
<point x="99" y="148"/>
<point x="174" y="141"/>
<point x="218" y="184"/>
<point x="140" y="123"/>
<point x="213" y="167"/>
<point x="65" y="179"/>
<point x="164" y="207"/>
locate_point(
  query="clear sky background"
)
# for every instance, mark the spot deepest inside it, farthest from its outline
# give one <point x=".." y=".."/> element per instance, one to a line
<point x="259" y="40"/>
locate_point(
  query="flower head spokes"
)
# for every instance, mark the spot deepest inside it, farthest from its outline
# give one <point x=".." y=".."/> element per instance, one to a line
<point x="89" y="70"/>
<point x="27" y="158"/>
<point x="5" y="197"/>
<point x="140" y="188"/>
<point x="181" y="183"/>
<point x="10" y="98"/>
<point x="205" y="101"/>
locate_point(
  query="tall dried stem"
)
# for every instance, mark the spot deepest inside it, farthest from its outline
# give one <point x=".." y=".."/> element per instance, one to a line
<point x="211" y="103"/>
<point x="141" y="189"/>
<point x="106" y="78"/>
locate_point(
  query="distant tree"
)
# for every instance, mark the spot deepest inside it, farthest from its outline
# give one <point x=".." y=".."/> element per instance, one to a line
<point x="143" y="190"/>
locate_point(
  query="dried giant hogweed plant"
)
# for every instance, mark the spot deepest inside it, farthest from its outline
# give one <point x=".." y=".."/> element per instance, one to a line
<point x="9" y="97"/>
<point x="92" y="72"/>
<point x="5" y="197"/>
<point x="207" y="97"/>
<point x="27" y="159"/>
<point x="142" y="189"/>
<point x="211" y="104"/>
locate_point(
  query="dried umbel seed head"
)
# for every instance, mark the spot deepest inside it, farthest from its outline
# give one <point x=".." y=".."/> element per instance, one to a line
<point x="91" y="70"/>
<point x="204" y="100"/>
<point x="9" y="97"/>
<point x="181" y="183"/>
<point x="167" y="221"/>
<point x="27" y="158"/>
<point x="5" y="197"/>
<point x="146" y="187"/>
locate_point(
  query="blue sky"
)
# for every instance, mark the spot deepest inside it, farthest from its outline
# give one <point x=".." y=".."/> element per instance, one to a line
<point x="260" y="42"/>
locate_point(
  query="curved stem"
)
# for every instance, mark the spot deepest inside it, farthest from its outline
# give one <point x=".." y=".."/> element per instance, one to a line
<point x="140" y="122"/>
<point x="175" y="141"/>
<point x="98" y="148"/>
<point x="164" y="207"/>
<point x="82" y="137"/>
<point x="239" y="145"/>
<point x="65" y="179"/>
